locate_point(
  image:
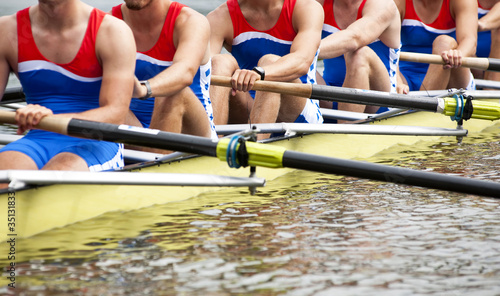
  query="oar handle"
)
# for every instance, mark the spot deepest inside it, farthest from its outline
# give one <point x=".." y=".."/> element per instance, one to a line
<point x="468" y="62"/>
<point x="48" y="123"/>
<point x="286" y="88"/>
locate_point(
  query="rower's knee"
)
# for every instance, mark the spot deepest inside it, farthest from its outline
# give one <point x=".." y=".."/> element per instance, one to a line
<point x="224" y="64"/>
<point x="443" y="43"/>
<point x="360" y="59"/>
<point x="267" y="60"/>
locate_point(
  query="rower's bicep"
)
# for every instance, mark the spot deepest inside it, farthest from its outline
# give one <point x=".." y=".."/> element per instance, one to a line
<point x="8" y="50"/>
<point x="221" y="29"/>
<point x="116" y="51"/>
<point x="308" y="24"/>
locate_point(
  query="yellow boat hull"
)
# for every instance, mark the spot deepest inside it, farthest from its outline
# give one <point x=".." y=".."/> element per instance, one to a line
<point x="40" y="209"/>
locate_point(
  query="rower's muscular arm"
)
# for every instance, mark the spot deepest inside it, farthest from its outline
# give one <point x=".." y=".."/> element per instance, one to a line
<point x="491" y="20"/>
<point x="8" y="49"/>
<point x="116" y="50"/>
<point x="308" y="21"/>
<point x="378" y="16"/>
<point x="30" y="115"/>
<point x="221" y="29"/>
<point x="465" y="13"/>
<point x="191" y="37"/>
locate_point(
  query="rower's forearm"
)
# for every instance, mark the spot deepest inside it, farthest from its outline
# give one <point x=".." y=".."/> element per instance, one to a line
<point x="338" y="44"/>
<point x="172" y="80"/>
<point x="491" y="20"/>
<point x="467" y="48"/>
<point x="114" y="114"/>
<point x="287" y="69"/>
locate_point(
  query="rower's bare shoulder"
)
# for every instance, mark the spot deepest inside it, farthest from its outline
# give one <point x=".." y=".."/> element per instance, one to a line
<point x="310" y="8"/>
<point x="221" y="25"/>
<point x="312" y="4"/>
<point x="8" y="23"/>
<point x="308" y="12"/>
<point x="462" y="6"/>
<point x="114" y="36"/>
<point x="219" y="15"/>
<point x="8" y="31"/>
<point x="385" y="8"/>
<point x="114" y="30"/>
<point x="190" y="17"/>
<point x="111" y="23"/>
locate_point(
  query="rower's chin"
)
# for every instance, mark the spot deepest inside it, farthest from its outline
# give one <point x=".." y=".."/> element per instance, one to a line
<point x="137" y="4"/>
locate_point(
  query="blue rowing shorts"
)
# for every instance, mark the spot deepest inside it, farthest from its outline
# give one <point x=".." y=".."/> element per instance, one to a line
<point x="41" y="146"/>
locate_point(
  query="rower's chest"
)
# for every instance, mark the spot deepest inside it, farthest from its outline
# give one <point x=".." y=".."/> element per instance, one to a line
<point x="487" y="4"/>
<point x="262" y="20"/>
<point x="428" y="11"/>
<point x="146" y="39"/>
<point x="60" y="47"/>
<point x="345" y="15"/>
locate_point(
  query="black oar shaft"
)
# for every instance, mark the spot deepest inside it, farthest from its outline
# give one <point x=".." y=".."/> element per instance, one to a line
<point x="340" y="94"/>
<point x="493" y="64"/>
<point x="13" y="95"/>
<point x="384" y="173"/>
<point x="141" y="137"/>
<point x="358" y="96"/>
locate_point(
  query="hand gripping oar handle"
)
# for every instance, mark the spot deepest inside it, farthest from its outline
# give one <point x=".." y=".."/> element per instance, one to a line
<point x="263" y="155"/>
<point x="490" y="64"/>
<point x="447" y="106"/>
<point x="49" y="123"/>
<point x="292" y="89"/>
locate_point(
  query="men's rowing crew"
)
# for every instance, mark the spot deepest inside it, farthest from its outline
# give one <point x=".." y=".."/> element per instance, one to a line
<point x="178" y="50"/>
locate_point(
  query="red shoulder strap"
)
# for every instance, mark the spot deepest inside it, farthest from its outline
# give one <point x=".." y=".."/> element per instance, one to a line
<point x="116" y="11"/>
<point x="360" y="10"/>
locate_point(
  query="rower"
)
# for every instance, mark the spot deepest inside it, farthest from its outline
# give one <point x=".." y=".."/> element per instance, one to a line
<point x="360" y="47"/>
<point x="173" y="67"/>
<point x="274" y="40"/>
<point x="488" y="36"/>
<point x="444" y="27"/>
<point x="73" y="61"/>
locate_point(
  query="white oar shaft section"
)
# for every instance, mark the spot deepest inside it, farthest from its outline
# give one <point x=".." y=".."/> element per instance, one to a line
<point x="468" y="62"/>
<point x="360" y="129"/>
<point x="20" y="178"/>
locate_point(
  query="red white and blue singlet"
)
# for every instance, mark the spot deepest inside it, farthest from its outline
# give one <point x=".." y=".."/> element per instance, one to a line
<point x="64" y="88"/>
<point x="484" y="37"/>
<point x="417" y="36"/>
<point x="155" y="60"/>
<point x="335" y="69"/>
<point x="250" y="44"/>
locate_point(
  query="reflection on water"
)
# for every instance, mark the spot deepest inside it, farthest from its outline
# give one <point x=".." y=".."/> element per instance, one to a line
<point x="309" y="234"/>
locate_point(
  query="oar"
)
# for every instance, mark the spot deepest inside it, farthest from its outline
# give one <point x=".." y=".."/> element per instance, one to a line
<point x="13" y="95"/>
<point x="489" y="64"/>
<point x="20" y="178"/>
<point x="258" y="154"/>
<point x="449" y="106"/>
